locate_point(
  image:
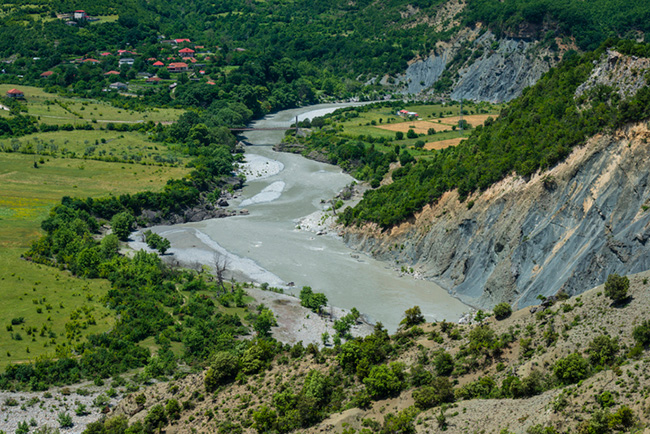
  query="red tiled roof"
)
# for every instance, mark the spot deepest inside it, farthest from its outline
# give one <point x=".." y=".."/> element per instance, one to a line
<point x="158" y="63"/>
<point x="47" y="73"/>
<point x="91" y="60"/>
<point x="212" y="83"/>
<point x="178" y="41"/>
<point x="186" y="50"/>
<point x="193" y="60"/>
<point x="112" y="73"/>
<point x="151" y="59"/>
<point x="105" y="53"/>
<point x="177" y="65"/>
<point x="14" y="92"/>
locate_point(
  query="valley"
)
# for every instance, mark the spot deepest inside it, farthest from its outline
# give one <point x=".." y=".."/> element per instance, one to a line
<point x="452" y="236"/>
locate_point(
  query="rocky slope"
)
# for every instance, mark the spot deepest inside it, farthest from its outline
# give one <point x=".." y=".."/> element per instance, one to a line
<point x="565" y="229"/>
<point x="482" y="67"/>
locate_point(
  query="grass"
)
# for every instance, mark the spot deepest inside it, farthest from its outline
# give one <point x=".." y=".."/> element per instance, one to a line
<point x="96" y="144"/>
<point x="26" y="197"/>
<point x="27" y="288"/>
<point x="81" y="111"/>
<point x="28" y="193"/>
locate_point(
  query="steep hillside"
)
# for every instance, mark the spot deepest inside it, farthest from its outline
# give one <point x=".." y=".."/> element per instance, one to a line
<point x="566" y="228"/>
<point x="533" y="231"/>
<point x="574" y="366"/>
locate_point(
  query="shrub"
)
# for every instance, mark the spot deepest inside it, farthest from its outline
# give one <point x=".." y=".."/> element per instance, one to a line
<point x="223" y="369"/>
<point x="616" y="287"/>
<point x="65" y="420"/>
<point x="502" y="311"/>
<point x="641" y="333"/>
<point x="571" y="369"/>
<point x="602" y="350"/>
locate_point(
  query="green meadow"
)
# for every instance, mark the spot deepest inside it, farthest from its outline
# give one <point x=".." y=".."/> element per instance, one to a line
<point x="56" y="110"/>
<point x="56" y="308"/>
<point x="121" y="146"/>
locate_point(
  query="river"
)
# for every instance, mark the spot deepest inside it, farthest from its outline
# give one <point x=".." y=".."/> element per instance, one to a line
<point x="267" y="245"/>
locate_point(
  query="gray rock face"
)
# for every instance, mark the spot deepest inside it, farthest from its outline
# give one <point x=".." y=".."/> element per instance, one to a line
<point x="424" y="73"/>
<point x="506" y="67"/>
<point x="565" y="229"/>
<point x="500" y="75"/>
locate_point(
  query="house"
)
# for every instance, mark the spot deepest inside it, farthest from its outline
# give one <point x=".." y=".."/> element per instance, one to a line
<point x="186" y="52"/>
<point x="180" y="41"/>
<point x="15" y="93"/>
<point x="153" y="80"/>
<point x="112" y="73"/>
<point x="211" y="83"/>
<point x="80" y="15"/>
<point x="124" y="52"/>
<point x="177" y="67"/>
<point x="105" y="53"/>
<point x="192" y="59"/>
<point x="158" y="63"/>
<point x="90" y="60"/>
<point x="145" y="74"/>
<point x="126" y="61"/>
<point x="118" y="86"/>
<point x="47" y="74"/>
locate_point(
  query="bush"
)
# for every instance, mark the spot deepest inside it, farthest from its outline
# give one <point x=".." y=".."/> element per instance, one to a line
<point x="602" y="350"/>
<point x="223" y="369"/>
<point x="641" y="333"/>
<point x="122" y="224"/>
<point x="616" y="287"/>
<point x="502" y="311"/>
<point x="571" y="369"/>
<point x="65" y="420"/>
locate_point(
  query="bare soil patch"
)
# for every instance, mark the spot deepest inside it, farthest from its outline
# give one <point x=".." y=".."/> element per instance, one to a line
<point x="442" y="144"/>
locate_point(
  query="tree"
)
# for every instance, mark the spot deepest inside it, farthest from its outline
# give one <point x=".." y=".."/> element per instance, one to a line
<point x="412" y="316"/>
<point x="411" y="134"/>
<point x="312" y="300"/>
<point x="616" y="287"/>
<point x="220" y="266"/>
<point x="223" y="370"/>
<point x="65" y="420"/>
<point x="399" y="135"/>
<point x="502" y="311"/>
<point x="264" y="321"/>
<point x="641" y="333"/>
<point x="155" y="419"/>
<point x="384" y="381"/>
<point x="122" y="224"/>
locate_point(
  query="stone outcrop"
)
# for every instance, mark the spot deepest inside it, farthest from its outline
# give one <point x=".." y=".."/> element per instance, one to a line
<point x="565" y="229"/>
<point x="497" y="70"/>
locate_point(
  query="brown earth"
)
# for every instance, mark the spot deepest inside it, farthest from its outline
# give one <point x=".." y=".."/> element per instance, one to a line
<point x="442" y="144"/>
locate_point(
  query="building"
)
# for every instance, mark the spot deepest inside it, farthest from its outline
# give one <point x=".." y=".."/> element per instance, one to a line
<point x="15" y="93"/>
<point x="186" y="52"/>
<point x="80" y="15"/>
<point x="177" y="67"/>
<point x="118" y="86"/>
<point x="153" y="80"/>
<point x="105" y="53"/>
<point x="47" y="74"/>
<point x="112" y="73"/>
<point x="91" y="61"/>
<point x="158" y="63"/>
<point x="180" y="41"/>
<point x="126" y="61"/>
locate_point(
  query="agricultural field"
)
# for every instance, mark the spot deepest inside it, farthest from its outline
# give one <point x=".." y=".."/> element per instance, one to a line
<point x="441" y="120"/>
<point x="56" y="110"/>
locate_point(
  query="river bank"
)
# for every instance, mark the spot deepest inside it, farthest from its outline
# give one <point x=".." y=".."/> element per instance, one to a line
<point x="286" y="197"/>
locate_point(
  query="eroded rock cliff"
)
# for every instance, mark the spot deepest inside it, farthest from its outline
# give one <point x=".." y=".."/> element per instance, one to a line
<point x="564" y="229"/>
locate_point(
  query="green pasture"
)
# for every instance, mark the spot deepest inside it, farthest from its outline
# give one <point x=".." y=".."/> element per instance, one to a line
<point x="28" y="193"/>
<point x="57" y="309"/>
<point x="96" y="144"/>
<point x="56" y="110"/>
